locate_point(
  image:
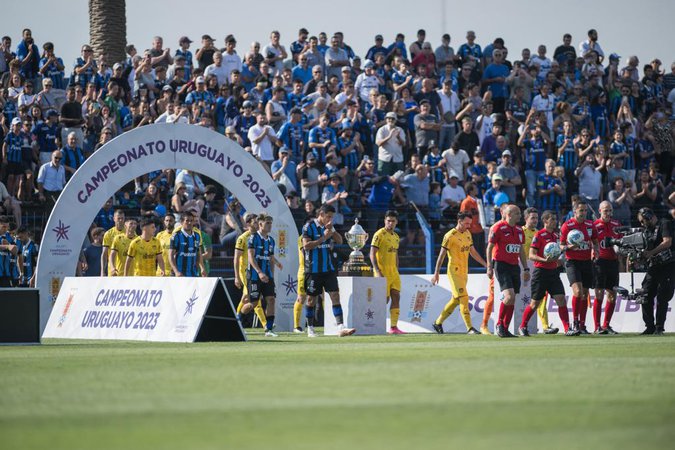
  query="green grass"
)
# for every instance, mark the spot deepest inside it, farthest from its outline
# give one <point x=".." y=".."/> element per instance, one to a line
<point x="415" y="391"/>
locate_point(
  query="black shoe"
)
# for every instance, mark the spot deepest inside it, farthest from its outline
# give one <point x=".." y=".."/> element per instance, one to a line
<point x="572" y="332"/>
<point x="583" y="330"/>
<point x="524" y="331"/>
<point x="659" y="332"/>
<point x="609" y="330"/>
<point x="472" y="330"/>
<point x="551" y="330"/>
<point x="509" y="334"/>
<point x="501" y="331"/>
<point x="600" y="331"/>
<point x="438" y="328"/>
<point x="648" y="331"/>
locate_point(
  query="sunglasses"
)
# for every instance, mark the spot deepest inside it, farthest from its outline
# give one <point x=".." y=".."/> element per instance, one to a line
<point x="57" y="159"/>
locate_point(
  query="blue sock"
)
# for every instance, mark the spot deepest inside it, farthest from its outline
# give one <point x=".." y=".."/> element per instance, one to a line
<point x="337" y="312"/>
<point x="270" y="323"/>
<point x="309" y="315"/>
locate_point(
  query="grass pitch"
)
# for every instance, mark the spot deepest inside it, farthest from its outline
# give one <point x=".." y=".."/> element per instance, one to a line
<point x="384" y="392"/>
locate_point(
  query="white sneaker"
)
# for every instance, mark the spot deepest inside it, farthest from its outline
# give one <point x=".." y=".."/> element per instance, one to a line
<point x="311" y="333"/>
<point x="297" y="330"/>
<point x="270" y="333"/>
<point x="342" y="331"/>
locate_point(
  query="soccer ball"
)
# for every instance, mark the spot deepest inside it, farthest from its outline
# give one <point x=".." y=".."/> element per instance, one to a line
<point x="575" y="237"/>
<point x="552" y="250"/>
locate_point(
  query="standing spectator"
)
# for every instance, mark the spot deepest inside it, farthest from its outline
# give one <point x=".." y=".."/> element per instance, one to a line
<point x="467" y="138"/>
<point x="275" y="53"/>
<point x="160" y="56"/>
<point x="311" y="179"/>
<point x="427" y="128"/>
<point x="590" y="182"/>
<point x="366" y="82"/>
<point x="204" y="55"/>
<point x="444" y="53"/>
<point x="456" y="161"/>
<point x="622" y="201"/>
<point x="510" y="175"/>
<point x="73" y="157"/>
<point x="449" y="106"/>
<point x="534" y="159"/>
<point x="565" y="54"/>
<point x="478" y="174"/>
<point x="452" y="197"/>
<point x="262" y="137"/>
<point x="284" y="171"/>
<point x="28" y="55"/>
<point x="390" y="140"/>
<point x="90" y="259"/>
<point x="217" y="69"/>
<point x="591" y="45"/>
<point x="51" y="179"/>
<point x="71" y="117"/>
<point x="51" y="67"/>
<point x="550" y="191"/>
<point x="494" y="79"/>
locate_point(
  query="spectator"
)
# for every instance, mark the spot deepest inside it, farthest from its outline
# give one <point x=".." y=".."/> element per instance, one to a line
<point x="73" y="157"/>
<point x="9" y="205"/>
<point x="478" y="174"/>
<point x="510" y="176"/>
<point x="467" y="138"/>
<point x="622" y="201"/>
<point x="90" y="258"/>
<point x="470" y="205"/>
<point x="71" y="117"/>
<point x="550" y="191"/>
<point x="390" y="140"/>
<point x="334" y="194"/>
<point x="451" y="197"/>
<point x="262" y="136"/>
<point x="51" y="179"/>
<point x="427" y="128"/>
<point x="590" y="182"/>
<point x="455" y="160"/>
<point x="311" y="179"/>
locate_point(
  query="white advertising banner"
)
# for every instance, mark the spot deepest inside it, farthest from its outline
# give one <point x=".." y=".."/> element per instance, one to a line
<point x="421" y="303"/>
<point x="131" y="308"/>
<point x="149" y="148"/>
<point x="364" y="306"/>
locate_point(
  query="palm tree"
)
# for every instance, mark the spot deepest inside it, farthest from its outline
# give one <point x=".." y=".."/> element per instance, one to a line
<point x="108" y="28"/>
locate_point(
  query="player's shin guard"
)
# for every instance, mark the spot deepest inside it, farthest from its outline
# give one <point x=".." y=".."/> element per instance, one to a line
<point x="564" y="317"/>
<point x="260" y="312"/>
<point x="542" y="312"/>
<point x="508" y="315"/>
<point x="575" y="308"/>
<point x="297" y="313"/>
<point x="597" y="312"/>
<point x="309" y="315"/>
<point x="527" y="315"/>
<point x="394" y="313"/>
<point x="464" y="311"/>
<point x="270" y="323"/>
<point x="337" y="312"/>
<point x="609" y="311"/>
<point x="447" y="310"/>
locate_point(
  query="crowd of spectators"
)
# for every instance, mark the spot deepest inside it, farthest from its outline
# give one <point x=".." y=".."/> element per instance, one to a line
<point x="446" y="129"/>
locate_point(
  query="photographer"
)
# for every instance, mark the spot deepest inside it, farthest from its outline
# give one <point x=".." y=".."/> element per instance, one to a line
<point x="659" y="281"/>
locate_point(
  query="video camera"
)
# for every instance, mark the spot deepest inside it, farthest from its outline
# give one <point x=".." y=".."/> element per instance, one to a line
<point x="631" y="245"/>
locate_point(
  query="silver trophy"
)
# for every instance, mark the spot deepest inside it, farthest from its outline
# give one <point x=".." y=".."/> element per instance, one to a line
<point x="356" y="239"/>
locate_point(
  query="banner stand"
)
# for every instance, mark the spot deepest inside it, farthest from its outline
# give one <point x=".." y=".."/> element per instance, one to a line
<point x="220" y="320"/>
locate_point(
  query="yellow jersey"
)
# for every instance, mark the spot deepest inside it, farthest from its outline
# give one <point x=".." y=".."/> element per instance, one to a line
<point x="121" y="245"/>
<point x="529" y="235"/>
<point x="387" y="250"/>
<point x="110" y="236"/>
<point x="164" y="238"/>
<point x="242" y="246"/>
<point x="144" y="254"/>
<point x="457" y="244"/>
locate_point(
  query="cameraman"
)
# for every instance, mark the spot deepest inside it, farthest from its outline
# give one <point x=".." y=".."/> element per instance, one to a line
<point x="659" y="281"/>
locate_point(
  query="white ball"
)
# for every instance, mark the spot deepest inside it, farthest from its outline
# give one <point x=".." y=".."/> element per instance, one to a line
<point x="575" y="237"/>
<point x="552" y="250"/>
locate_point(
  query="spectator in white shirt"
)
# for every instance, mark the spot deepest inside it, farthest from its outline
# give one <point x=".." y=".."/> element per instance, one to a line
<point x="262" y="136"/>
<point x="51" y="178"/>
<point x="452" y="196"/>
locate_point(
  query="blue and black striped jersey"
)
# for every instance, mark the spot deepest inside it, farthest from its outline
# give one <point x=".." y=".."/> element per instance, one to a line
<point x="263" y="249"/>
<point x="320" y="258"/>
<point x="187" y="251"/>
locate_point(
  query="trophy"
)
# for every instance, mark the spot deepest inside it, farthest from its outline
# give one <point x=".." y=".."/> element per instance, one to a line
<point x="356" y="239"/>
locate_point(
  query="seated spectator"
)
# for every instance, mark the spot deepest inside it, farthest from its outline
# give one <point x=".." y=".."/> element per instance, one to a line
<point x="645" y="191"/>
<point x="494" y="198"/>
<point x="150" y="201"/>
<point x="73" y="157"/>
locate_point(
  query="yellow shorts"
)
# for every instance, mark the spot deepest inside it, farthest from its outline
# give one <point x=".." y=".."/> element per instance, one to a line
<point x="393" y="281"/>
<point x="301" y="283"/>
<point x="458" y="280"/>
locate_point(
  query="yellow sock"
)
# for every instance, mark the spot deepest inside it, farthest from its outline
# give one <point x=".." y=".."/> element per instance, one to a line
<point x="394" y="312"/>
<point x="239" y="307"/>
<point x="447" y="310"/>
<point x="297" y="312"/>
<point x="464" y="310"/>
<point x="542" y="311"/>
<point x="260" y="312"/>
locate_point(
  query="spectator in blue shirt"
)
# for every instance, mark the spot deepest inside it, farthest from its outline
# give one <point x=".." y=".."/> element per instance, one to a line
<point x="28" y="54"/>
<point x="494" y="78"/>
<point x="285" y="171"/>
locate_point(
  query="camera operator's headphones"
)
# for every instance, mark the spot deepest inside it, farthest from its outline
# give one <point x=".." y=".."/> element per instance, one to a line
<point x="646" y="213"/>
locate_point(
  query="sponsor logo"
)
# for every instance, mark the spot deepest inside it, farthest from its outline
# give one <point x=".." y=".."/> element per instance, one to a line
<point x="290" y="285"/>
<point x="61" y="231"/>
<point x="189" y="303"/>
<point x="513" y="248"/>
<point x="370" y="314"/>
<point x="282" y="248"/>
<point x="66" y="308"/>
<point x="419" y="305"/>
<point x="54" y="288"/>
<point x="369" y="294"/>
